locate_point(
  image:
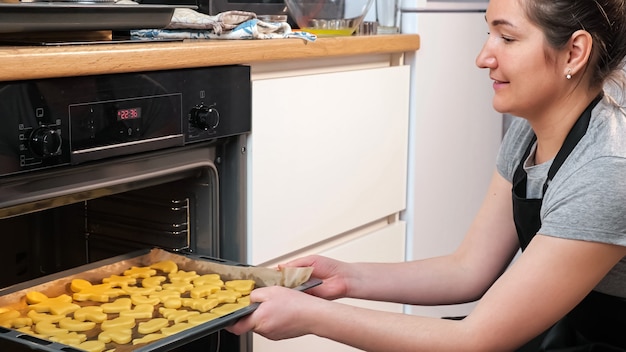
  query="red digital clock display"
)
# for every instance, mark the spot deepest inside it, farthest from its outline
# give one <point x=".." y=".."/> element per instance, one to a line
<point x="128" y="114"/>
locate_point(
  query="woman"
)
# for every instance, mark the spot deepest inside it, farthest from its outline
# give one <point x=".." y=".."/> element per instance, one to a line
<point x="559" y="193"/>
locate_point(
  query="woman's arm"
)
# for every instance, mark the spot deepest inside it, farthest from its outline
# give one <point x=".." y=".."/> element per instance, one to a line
<point x="547" y="281"/>
<point x="541" y="286"/>
<point x="462" y="276"/>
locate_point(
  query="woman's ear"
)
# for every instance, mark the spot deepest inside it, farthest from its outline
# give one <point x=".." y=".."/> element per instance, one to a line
<point x="579" y="51"/>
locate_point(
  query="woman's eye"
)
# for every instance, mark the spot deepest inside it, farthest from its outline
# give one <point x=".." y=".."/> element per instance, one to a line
<point x="505" y="38"/>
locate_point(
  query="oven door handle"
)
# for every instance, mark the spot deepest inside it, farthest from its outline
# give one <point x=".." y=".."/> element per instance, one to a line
<point x="24" y="194"/>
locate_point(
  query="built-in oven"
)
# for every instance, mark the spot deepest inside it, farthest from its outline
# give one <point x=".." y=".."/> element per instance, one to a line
<point x="93" y="167"/>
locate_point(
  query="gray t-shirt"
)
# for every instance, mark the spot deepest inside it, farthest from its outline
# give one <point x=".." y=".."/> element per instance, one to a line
<point x="586" y="199"/>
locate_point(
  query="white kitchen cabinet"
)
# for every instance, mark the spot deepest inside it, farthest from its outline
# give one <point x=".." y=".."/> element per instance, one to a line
<point x="327" y="156"/>
<point x="327" y="168"/>
<point x="385" y="245"/>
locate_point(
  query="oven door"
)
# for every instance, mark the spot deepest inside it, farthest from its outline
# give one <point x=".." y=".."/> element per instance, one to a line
<point x="184" y="199"/>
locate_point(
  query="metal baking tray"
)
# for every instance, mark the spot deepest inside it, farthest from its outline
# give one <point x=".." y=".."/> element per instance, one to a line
<point x="62" y="16"/>
<point x="57" y="284"/>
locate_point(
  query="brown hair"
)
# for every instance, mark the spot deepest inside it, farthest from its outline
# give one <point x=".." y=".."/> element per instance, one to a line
<point x="605" y="20"/>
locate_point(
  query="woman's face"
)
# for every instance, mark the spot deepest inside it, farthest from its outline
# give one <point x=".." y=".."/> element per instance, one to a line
<point x="525" y="80"/>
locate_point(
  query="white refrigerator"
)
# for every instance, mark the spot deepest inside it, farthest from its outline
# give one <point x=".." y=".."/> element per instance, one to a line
<point x="454" y="131"/>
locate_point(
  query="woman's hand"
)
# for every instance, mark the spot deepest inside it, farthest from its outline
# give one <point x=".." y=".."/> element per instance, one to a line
<point x="283" y="313"/>
<point x="333" y="273"/>
<point x="286" y="313"/>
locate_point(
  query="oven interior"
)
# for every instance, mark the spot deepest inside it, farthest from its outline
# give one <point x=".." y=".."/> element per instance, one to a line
<point x="52" y="240"/>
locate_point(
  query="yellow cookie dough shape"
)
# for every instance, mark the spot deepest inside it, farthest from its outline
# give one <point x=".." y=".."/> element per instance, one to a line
<point x="41" y="303"/>
<point x="71" y="338"/>
<point x="154" y="281"/>
<point x="13" y="319"/>
<point x="118" y="323"/>
<point x="141" y="311"/>
<point x="141" y="299"/>
<point x="226" y="296"/>
<point x="120" y="280"/>
<point x="177" y="315"/>
<point x="90" y="313"/>
<point x="29" y="330"/>
<point x="200" y="304"/>
<point x="242" y="286"/>
<point x="166" y="266"/>
<point x="180" y="286"/>
<point x="76" y="325"/>
<point x="202" y="318"/>
<point x="183" y="276"/>
<point x="176" y="328"/>
<point x="132" y="290"/>
<point x="165" y="295"/>
<point x="149" y="338"/>
<point x="49" y="329"/>
<point x="140" y="272"/>
<point x="7" y="316"/>
<point x="152" y="325"/>
<point x="121" y="336"/>
<point x="204" y="290"/>
<point x="208" y="279"/>
<point x="86" y="291"/>
<point x="91" y="346"/>
<point x="117" y="306"/>
<point x="244" y="300"/>
<point x="37" y="317"/>
<point x="227" y="308"/>
<point x="174" y="303"/>
<point x="21" y="322"/>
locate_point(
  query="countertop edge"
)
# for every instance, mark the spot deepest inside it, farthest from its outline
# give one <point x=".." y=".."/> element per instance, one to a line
<point x="63" y="61"/>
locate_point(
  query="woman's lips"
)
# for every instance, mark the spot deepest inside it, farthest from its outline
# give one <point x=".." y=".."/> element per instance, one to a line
<point x="499" y="84"/>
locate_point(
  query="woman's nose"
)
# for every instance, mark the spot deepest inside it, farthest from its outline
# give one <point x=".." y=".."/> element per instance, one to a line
<point x="485" y="58"/>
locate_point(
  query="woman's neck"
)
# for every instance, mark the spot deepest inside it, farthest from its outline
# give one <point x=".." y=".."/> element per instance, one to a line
<point x="553" y="126"/>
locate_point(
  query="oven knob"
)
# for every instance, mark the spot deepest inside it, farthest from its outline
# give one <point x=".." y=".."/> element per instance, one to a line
<point x="204" y="117"/>
<point x="45" y="142"/>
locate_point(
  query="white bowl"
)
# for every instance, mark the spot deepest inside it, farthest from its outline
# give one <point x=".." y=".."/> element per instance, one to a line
<point x="328" y="17"/>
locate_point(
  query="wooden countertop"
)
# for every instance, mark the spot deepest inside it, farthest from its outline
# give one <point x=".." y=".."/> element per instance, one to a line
<point x="28" y="62"/>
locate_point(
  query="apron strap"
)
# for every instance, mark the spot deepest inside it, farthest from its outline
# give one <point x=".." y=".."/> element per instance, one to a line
<point x="573" y="137"/>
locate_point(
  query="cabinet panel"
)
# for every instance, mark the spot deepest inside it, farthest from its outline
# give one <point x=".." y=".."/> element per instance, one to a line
<point x="327" y="154"/>
<point x="385" y="245"/>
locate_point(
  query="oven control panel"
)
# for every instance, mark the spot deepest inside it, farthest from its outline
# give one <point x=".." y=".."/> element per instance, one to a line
<point x="65" y="121"/>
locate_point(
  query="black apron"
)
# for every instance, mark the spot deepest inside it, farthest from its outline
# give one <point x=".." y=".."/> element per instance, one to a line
<point x="598" y="323"/>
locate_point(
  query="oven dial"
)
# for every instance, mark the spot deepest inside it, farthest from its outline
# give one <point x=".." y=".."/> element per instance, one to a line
<point x="45" y="142"/>
<point x="204" y="117"/>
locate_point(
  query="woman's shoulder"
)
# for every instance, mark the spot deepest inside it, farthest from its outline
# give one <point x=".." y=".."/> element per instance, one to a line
<point x="607" y="129"/>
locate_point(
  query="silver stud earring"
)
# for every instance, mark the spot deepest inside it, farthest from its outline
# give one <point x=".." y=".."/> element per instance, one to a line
<point x="569" y="74"/>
